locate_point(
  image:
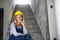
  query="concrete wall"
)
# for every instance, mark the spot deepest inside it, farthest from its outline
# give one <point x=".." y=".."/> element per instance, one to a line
<point x="40" y="12"/>
<point x="57" y="12"/>
<point x="52" y="19"/>
<point x="7" y="5"/>
<point x="34" y="4"/>
<point x="44" y="14"/>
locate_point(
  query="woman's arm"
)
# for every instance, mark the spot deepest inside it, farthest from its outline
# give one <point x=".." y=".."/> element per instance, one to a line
<point x="24" y="28"/>
<point x="13" y="30"/>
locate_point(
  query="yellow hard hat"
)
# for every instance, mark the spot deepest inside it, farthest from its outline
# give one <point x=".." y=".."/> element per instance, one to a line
<point x="18" y="13"/>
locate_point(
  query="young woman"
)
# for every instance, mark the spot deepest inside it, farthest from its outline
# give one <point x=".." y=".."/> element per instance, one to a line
<point x="17" y="29"/>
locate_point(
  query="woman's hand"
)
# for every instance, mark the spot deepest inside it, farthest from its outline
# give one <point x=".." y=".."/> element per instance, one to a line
<point x="22" y="23"/>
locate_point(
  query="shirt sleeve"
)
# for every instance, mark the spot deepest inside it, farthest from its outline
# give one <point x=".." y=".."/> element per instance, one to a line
<point x="13" y="30"/>
<point x="25" y="30"/>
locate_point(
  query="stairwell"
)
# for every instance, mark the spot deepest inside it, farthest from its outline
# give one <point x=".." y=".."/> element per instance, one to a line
<point x="30" y="22"/>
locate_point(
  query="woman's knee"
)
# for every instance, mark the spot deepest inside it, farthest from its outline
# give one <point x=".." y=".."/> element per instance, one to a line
<point x="27" y="37"/>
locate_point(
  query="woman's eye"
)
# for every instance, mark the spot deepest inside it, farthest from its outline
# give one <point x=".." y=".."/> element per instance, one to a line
<point x="18" y="17"/>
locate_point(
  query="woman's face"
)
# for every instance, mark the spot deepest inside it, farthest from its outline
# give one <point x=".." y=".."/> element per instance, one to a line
<point x="19" y="18"/>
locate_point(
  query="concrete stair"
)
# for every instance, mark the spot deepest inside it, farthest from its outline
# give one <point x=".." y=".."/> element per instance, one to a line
<point x="30" y="22"/>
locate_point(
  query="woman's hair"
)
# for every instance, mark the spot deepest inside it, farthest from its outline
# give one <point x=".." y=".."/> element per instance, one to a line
<point x="14" y="18"/>
<point x="18" y="12"/>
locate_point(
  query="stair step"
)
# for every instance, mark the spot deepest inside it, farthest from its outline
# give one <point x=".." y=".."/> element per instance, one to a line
<point x="37" y="39"/>
<point x="31" y="26"/>
<point x="28" y="13"/>
<point x="28" y="17"/>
